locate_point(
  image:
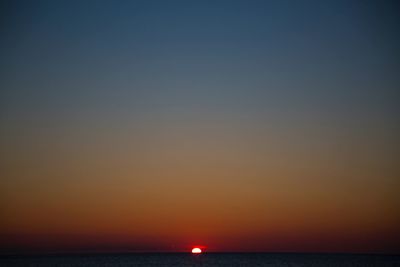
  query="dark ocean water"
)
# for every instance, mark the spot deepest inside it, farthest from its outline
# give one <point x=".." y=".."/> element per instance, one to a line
<point x="206" y="259"/>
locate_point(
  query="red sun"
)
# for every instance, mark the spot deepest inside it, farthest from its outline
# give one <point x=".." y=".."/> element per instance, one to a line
<point x="196" y="250"/>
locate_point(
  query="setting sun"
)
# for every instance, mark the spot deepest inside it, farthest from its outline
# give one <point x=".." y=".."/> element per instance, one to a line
<point x="196" y="250"/>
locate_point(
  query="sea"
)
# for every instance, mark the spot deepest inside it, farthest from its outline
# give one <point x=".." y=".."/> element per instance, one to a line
<point x="204" y="260"/>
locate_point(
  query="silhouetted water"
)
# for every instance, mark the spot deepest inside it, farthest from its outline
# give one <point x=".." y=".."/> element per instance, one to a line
<point x="206" y="259"/>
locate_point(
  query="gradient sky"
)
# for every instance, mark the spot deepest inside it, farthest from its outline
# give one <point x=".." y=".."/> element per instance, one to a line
<point x="236" y="125"/>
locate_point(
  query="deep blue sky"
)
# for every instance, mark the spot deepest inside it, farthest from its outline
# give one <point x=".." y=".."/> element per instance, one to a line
<point x="331" y="56"/>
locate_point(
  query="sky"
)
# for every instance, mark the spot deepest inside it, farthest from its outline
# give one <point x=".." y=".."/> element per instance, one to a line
<point x="233" y="125"/>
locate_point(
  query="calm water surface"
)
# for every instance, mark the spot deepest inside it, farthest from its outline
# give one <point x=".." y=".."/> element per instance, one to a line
<point x="206" y="259"/>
